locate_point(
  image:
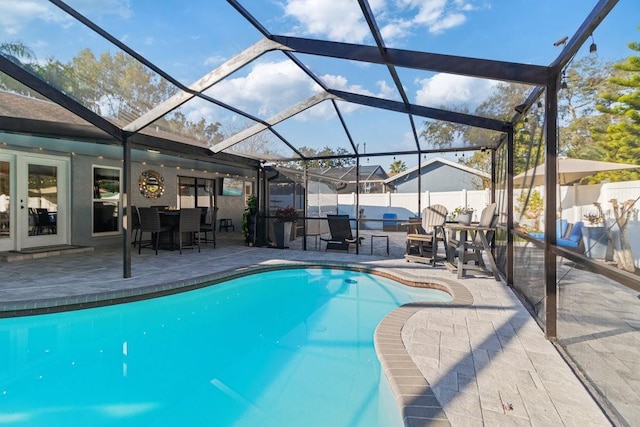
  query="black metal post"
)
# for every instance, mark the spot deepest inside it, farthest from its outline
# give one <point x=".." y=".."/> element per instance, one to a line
<point x="126" y="208"/>
<point x="551" y="170"/>
<point x="357" y="204"/>
<point x="510" y="239"/>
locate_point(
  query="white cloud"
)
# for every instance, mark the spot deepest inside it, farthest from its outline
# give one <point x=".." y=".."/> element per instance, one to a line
<point x="453" y="90"/>
<point x="268" y="88"/>
<point x="337" y="20"/>
<point x="439" y="15"/>
<point x="343" y="21"/>
<point x="16" y="14"/>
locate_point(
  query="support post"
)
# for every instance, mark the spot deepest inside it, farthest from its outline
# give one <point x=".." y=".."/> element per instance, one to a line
<point x="510" y="240"/>
<point x="551" y="178"/>
<point x="127" y="222"/>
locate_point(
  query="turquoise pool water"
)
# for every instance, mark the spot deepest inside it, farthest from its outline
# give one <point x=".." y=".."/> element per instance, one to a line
<point x="284" y="348"/>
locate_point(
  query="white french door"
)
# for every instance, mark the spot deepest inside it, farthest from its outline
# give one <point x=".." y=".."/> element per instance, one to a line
<point x="42" y="201"/>
<point x="7" y="211"/>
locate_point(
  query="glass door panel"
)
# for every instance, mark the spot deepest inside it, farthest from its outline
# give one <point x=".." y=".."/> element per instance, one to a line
<point x="43" y="202"/>
<point x="6" y="227"/>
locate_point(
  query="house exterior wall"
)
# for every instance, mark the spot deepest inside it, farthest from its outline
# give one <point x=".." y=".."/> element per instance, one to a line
<point x="80" y="183"/>
<point x="82" y="188"/>
<point x="438" y="177"/>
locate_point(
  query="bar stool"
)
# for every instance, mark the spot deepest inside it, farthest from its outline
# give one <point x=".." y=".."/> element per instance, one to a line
<point x="227" y="224"/>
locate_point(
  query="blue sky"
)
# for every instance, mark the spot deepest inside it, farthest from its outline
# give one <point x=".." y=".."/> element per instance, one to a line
<point x="189" y="39"/>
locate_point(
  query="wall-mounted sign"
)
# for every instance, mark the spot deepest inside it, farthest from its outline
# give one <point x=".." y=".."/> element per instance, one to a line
<point x="151" y="184"/>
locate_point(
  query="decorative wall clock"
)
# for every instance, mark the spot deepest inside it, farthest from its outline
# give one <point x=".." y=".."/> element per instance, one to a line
<point x="151" y="184"/>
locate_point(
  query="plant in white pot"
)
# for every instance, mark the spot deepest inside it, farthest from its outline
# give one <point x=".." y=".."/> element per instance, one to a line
<point x="462" y="214"/>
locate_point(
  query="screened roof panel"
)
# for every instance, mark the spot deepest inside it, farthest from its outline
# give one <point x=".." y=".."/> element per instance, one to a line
<point x="266" y="86"/>
<point x="93" y="72"/>
<point x="335" y="21"/>
<point x="263" y="146"/>
<point x="353" y="76"/>
<point x="189" y="41"/>
<point x="382" y="131"/>
<point x="199" y="35"/>
<point x="444" y="136"/>
<point x="316" y="128"/>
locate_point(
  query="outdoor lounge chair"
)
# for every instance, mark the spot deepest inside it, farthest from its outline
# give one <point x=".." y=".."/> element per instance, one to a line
<point x="573" y="239"/>
<point x="422" y="239"/>
<point x="562" y="227"/>
<point x="341" y="236"/>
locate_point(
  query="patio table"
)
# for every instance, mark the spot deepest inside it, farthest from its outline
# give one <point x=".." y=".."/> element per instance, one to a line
<point x="468" y="242"/>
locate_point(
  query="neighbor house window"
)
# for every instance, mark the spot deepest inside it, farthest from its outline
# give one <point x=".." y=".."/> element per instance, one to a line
<point x="106" y="199"/>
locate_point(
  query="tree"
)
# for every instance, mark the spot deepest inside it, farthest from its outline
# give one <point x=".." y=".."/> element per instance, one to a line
<point x="577" y="101"/>
<point x="620" y="140"/>
<point x="323" y="163"/>
<point x="20" y="54"/>
<point x="114" y="86"/>
<point x="396" y="167"/>
<point x="260" y="145"/>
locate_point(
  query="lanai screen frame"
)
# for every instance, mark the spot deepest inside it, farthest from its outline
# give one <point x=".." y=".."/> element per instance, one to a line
<point x="544" y="78"/>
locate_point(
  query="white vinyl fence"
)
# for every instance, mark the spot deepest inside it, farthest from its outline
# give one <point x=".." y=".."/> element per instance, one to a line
<point x="405" y="205"/>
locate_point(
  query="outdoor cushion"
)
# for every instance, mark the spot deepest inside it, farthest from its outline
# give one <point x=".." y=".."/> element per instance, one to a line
<point x="561" y="230"/>
<point x="573" y="240"/>
<point x="390" y="221"/>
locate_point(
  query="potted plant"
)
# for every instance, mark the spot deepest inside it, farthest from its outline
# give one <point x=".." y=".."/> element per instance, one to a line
<point x="248" y="220"/>
<point x="285" y="217"/>
<point x="531" y="211"/>
<point x="594" y="235"/>
<point x="462" y="214"/>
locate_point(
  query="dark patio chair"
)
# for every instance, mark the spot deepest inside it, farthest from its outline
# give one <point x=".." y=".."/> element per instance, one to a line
<point x="150" y="223"/>
<point x="189" y="224"/>
<point x="207" y="225"/>
<point x="44" y="222"/>
<point x="135" y="223"/>
<point x="341" y="235"/>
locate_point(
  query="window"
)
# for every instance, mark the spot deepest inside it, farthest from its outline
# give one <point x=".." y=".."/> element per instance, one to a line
<point x="106" y="199"/>
<point x="196" y="192"/>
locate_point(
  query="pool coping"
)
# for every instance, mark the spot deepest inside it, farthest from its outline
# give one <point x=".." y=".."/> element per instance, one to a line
<point x="414" y="396"/>
<point x="413" y="393"/>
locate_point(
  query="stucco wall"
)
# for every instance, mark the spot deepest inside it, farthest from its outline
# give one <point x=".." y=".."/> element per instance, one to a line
<point x="82" y="193"/>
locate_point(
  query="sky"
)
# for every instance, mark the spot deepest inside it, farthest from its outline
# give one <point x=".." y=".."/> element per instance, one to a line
<point x="189" y="39"/>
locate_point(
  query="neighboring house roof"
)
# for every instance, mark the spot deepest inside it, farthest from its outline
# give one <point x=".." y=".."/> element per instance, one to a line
<point x="437" y="160"/>
<point x="348" y="174"/>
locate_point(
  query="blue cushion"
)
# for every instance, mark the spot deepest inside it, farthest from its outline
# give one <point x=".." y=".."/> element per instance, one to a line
<point x="391" y="219"/>
<point x="576" y="231"/>
<point x="568" y="242"/>
<point x="573" y="240"/>
<point x="561" y="228"/>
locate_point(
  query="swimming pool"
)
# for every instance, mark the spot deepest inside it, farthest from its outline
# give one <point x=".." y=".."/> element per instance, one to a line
<point x="289" y="347"/>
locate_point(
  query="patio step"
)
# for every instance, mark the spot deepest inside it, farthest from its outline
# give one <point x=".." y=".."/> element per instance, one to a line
<point x="42" y="252"/>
